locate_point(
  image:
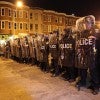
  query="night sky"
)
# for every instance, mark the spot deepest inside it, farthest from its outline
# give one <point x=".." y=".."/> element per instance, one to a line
<point x="77" y="7"/>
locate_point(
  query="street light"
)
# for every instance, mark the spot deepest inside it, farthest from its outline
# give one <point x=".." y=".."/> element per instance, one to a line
<point x="19" y="4"/>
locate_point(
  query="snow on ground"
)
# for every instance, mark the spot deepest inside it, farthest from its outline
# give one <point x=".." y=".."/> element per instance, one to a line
<point x="26" y="82"/>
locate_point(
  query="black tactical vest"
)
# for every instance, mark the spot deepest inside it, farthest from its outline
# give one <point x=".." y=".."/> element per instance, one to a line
<point x="67" y="51"/>
<point x="85" y="50"/>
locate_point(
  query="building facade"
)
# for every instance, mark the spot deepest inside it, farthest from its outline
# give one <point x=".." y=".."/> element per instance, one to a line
<point x="27" y="20"/>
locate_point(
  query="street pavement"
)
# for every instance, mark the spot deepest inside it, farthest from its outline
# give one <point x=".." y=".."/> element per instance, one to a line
<point x="26" y="82"/>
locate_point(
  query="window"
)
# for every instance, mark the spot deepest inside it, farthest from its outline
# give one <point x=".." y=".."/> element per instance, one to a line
<point x="2" y="24"/>
<point x="69" y="22"/>
<point x="26" y="14"/>
<point x="45" y="28"/>
<point x="31" y="26"/>
<point x="36" y="16"/>
<point x="60" y="20"/>
<point x="9" y="12"/>
<point x="60" y="29"/>
<point x="36" y="27"/>
<point x="9" y="25"/>
<point x="56" y="20"/>
<point x="2" y="11"/>
<point x="15" y="13"/>
<point x="66" y="21"/>
<point x="49" y="28"/>
<point x="21" y="26"/>
<point x="31" y="15"/>
<point x="49" y="18"/>
<point x="26" y="27"/>
<point x="15" y="25"/>
<point x="20" y="14"/>
<point x="45" y="18"/>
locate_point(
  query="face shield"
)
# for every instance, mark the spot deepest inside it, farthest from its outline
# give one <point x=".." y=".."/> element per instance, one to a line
<point x="85" y="23"/>
<point x="89" y="22"/>
<point x="67" y="32"/>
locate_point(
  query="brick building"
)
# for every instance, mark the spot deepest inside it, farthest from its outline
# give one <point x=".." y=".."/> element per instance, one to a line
<point x="27" y="20"/>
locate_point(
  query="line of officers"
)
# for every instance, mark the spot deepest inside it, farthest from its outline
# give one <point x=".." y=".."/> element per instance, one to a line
<point x="61" y="54"/>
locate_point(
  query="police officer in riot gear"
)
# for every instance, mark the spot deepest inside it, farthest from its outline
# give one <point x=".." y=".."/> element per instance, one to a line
<point x="7" y="50"/>
<point x="67" y="54"/>
<point x="54" y="50"/>
<point x="26" y="50"/>
<point x="45" y="53"/>
<point x="32" y="50"/>
<point x="98" y="54"/>
<point x="86" y="53"/>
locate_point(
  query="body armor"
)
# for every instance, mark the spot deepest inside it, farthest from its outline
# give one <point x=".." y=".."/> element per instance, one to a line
<point x="85" y="50"/>
<point x="85" y="42"/>
<point x="53" y="46"/>
<point x="67" y="51"/>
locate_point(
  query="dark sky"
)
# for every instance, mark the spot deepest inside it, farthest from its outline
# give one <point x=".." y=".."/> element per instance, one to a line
<point x="77" y="7"/>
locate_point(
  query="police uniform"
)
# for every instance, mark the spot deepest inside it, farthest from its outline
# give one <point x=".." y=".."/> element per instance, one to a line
<point x="18" y="50"/>
<point x="45" y="53"/>
<point x="86" y="52"/>
<point x="39" y="55"/>
<point x="7" y="50"/>
<point x="86" y="56"/>
<point x="54" y="52"/>
<point x="67" y="54"/>
<point x="98" y="54"/>
<point x="32" y="51"/>
<point x="25" y="50"/>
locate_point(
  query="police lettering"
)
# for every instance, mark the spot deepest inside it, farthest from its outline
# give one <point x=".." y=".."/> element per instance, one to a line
<point x="85" y="41"/>
<point x="68" y="46"/>
<point x="52" y="46"/>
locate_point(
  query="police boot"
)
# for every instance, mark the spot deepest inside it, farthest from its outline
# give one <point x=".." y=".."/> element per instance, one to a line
<point x="80" y="84"/>
<point x="54" y="75"/>
<point x="71" y="80"/>
<point x="95" y="91"/>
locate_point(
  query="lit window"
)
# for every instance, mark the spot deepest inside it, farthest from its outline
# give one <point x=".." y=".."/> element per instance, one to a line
<point x="2" y="11"/>
<point x="21" y="26"/>
<point x="2" y="24"/>
<point x="49" y="28"/>
<point x="9" y="25"/>
<point x="45" y="28"/>
<point x="60" y="20"/>
<point x="9" y="12"/>
<point x="20" y="14"/>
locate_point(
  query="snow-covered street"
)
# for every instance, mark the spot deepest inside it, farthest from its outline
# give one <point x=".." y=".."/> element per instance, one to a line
<point x="26" y="82"/>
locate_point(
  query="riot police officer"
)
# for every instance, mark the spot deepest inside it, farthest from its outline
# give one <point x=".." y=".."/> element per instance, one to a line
<point x="54" y="50"/>
<point x="7" y="50"/>
<point x="67" y="54"/>
<point x="86" y="52"/>
<point x="32" y="50"/>
<point x="45" y="53"/>
<point x="18" y="51"/>
<point x="26" y="51"/>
